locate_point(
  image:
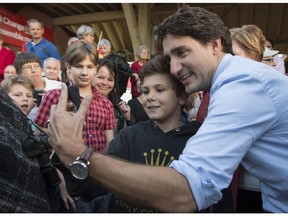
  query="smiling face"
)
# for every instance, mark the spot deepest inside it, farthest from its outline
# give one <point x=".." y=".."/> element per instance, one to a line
<point x="159" y="99"/>
<point x="83" y="73"/>
<point x="192" y="63"/>
<point x="104" y="81"/>
<point x="105" y="50"/>
<point x="52" y="69"/>
<point x="23" y="97"/>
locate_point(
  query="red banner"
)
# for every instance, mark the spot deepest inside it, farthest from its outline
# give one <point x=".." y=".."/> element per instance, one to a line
<point x="14" y="29"/>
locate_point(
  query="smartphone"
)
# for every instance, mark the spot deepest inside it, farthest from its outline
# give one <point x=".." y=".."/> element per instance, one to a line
<point x="37" y="96"/>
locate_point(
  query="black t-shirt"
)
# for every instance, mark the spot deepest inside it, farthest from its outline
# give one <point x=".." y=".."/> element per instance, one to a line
<point x="147" y="144"/>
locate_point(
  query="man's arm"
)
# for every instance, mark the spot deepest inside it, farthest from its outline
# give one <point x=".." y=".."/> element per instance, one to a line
<point x="161" y="188"/>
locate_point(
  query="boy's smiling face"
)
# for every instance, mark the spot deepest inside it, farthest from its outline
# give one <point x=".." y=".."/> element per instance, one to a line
<point x="159" y="99"/>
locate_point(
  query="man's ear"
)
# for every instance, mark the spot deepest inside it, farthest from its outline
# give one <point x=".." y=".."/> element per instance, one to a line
<point x="216" y="46"/>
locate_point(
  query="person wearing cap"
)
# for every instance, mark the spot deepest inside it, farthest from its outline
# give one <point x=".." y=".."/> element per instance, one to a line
<point x="279" y="62"/>
<point x="86" y="34"/>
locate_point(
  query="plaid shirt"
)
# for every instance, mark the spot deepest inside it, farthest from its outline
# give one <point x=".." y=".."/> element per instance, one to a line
<point x="100" y="117"/>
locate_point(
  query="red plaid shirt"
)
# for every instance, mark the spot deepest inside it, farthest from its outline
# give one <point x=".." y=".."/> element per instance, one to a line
<point x="100" y="117"/>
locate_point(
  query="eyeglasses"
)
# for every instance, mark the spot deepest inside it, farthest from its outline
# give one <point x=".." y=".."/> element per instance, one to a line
<point x="30" y="68"/>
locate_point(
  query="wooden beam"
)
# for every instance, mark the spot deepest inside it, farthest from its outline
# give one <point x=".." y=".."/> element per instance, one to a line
<point x="89" y="17"/>
<point x="108" y="30"/>
<point x="132" y="25"/>
<point x="119" y="32"/>
<point x="266" y="15"/>
<point x="73" y="7"/>
<point x="97" y="31"/>
<point x="87" y="7"/>
<point x="252" y="13"/>
<point x="47" y="8"/>
<point x="281" y="14"/>
<point x="144" y="20"/>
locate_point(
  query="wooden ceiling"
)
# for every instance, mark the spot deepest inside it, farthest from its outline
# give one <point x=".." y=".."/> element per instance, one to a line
<point x="127" y="25"/>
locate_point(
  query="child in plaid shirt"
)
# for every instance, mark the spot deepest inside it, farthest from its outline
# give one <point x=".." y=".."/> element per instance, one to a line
<point x="82" y="59"/>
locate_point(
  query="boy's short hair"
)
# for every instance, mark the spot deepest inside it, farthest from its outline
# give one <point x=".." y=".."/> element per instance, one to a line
<point x="79" y="51"/>
<point x="8" y="83"/>
<point x="24" y="58"/>
<point x="161" y="65"/>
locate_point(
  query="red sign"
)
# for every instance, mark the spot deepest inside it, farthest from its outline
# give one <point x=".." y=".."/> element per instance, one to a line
<point x="14" y="29"/>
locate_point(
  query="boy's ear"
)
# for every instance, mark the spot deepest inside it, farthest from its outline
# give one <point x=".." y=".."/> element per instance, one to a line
<point x="183" y="98"/>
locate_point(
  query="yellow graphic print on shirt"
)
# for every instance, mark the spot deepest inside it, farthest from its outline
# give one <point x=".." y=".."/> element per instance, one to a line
<point x="158" y="158"/>
<point x="157" y="161"/>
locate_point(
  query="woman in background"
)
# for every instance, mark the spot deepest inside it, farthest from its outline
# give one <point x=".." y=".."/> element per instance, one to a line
<point x="142" y="53"/>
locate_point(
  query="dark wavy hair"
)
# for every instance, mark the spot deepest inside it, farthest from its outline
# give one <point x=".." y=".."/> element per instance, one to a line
<point x="197" y="23"/>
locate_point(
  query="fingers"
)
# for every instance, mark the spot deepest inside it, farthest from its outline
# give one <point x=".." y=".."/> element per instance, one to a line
<point x="72" y="203"/>
<point x="62" y="104"/>
<point x="66" y="204"/>
<point x="70" y="106"/>
<point x="84" y="106"/>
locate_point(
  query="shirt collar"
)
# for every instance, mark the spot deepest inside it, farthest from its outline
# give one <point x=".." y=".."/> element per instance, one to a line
<point x="222" y="65"/>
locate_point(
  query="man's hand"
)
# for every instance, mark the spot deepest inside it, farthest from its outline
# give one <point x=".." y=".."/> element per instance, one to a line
<point x="65" y="129"/>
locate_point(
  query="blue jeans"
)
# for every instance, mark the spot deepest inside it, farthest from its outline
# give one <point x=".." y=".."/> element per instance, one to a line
<point x="98" y="205"/>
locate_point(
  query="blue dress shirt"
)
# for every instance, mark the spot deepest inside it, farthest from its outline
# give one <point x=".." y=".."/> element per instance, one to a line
<point x="247" y="122"/>
<point x="44" y="49"/>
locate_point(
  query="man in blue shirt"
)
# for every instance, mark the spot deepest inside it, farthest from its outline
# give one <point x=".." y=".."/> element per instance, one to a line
<point x="39" y="45"/>
<point x="247" y="123"/>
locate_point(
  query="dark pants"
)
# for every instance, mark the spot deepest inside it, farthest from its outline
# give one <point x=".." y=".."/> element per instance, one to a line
<point x="98" y="205"/>
<point x="249" y="201"/>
